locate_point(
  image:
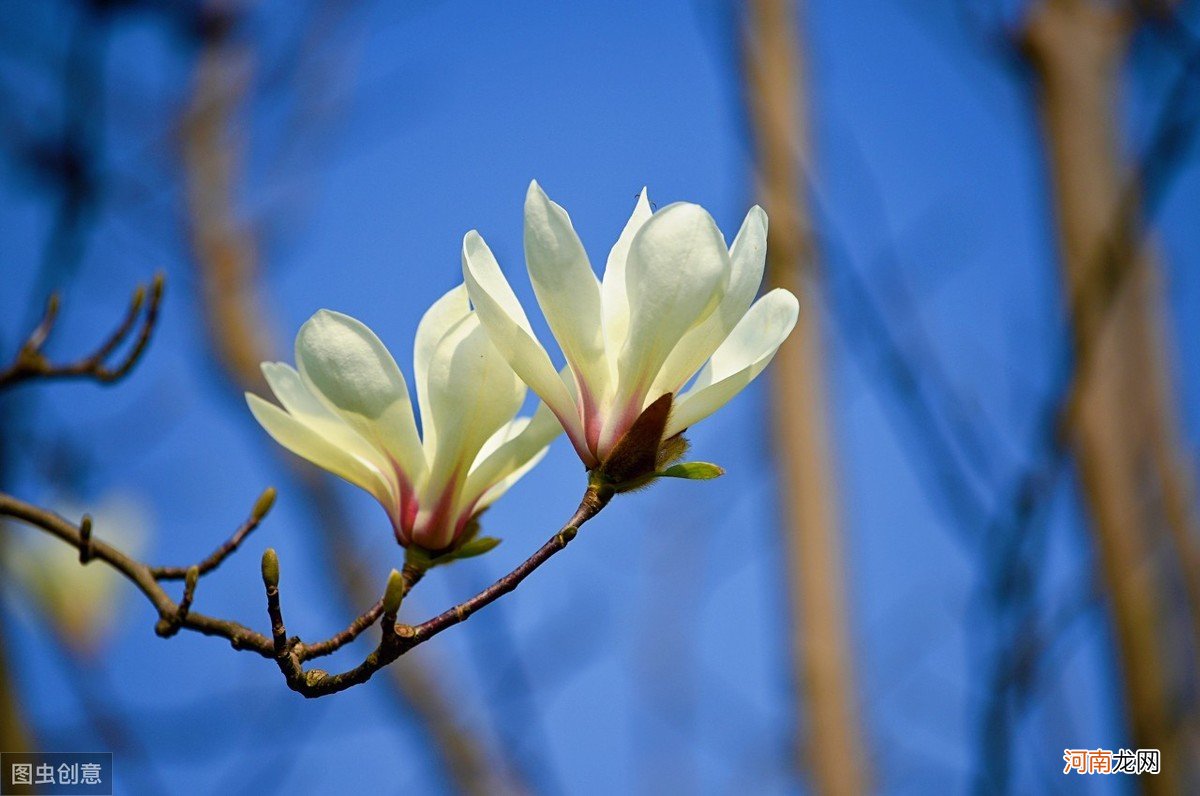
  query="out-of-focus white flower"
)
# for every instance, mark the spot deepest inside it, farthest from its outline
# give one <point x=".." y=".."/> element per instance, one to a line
<point x="346" y="408"/>
<point x="80" y="600"/>
<point x="674" y="300"/>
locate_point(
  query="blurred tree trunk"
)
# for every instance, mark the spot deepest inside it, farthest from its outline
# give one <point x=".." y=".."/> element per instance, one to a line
<point x="14" y="737"/>
<point x="1124" y="425"/>
<point x="226" y="262"/>
<point x="830" y="741"/>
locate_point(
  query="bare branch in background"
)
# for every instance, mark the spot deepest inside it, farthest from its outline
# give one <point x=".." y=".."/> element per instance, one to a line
<point x="31" y="361"/>
<point x="1120" y="420"/>
<point x="14" y="735"/>
<point x="1115" y="264"/>
<point x="832" y="744"/>
<point x="226" y="260"/>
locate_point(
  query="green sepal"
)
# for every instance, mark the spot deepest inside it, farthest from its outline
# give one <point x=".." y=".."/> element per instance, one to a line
<point x="474" y="545"/>
<point x="477" y="547"/>
<point x="694" y="471"/>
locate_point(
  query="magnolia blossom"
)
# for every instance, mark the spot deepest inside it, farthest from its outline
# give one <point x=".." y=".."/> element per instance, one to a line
<point x="674" y="300"/>
<point x="82" y="601"/>
<point x="346" y="408"/>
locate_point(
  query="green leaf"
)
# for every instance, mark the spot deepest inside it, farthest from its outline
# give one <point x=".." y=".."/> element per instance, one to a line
<point x="695" y="471"/>
<point x="477" y="547"/>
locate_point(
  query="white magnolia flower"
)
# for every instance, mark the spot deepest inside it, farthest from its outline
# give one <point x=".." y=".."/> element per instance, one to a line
<point x="674" y="300"/>
<point x="347" y="409"/>
<point x="83" y="602"/>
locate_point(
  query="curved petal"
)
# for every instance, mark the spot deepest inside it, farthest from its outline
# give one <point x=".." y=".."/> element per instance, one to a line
<point x="472" y="393"/>
<point x="346" y="366"/>
<point x="306" y="443"/>
<point x="301" y="404"/>
<point x="676" y="273"/>
<point x="503" y="434"/>
<point x="747" y="257"/>
<point x="510" y="451"/>
<point x="435" y="323"/>
<point x="500" y="313"/>
<point x="613" y="298"/>
<point x="566" y="288"/>
<point x="504" y="484"/>
<point x="743" y="355"/>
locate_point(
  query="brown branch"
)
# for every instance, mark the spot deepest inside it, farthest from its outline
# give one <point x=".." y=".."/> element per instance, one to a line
<point x="1122" y="418"/>
<point x="141" y="575"/>
<point x="14" y="734"/>
<point x="335" y="642"/>
<point x="291" y="653"/>
<point x="358" y="626"/>
<point x="396" y="640"/>
<point x="31" y="363"/>
<point x="829" y="740"/>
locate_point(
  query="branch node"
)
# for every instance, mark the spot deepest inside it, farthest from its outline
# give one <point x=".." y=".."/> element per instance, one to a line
<point x="85" y="539"/>
<point x="189" y="592"/>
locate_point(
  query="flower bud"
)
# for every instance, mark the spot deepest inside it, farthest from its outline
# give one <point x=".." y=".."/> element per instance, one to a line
<point x="263" y="505"/>
<point x="394" y="594"/>
<point x="635" y="458"/>
<point x="270" y="568"/>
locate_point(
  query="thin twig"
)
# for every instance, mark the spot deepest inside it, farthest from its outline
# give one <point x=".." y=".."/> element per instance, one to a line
<point x="291" y="653"/>
<point x="412" y="575"/>
<point x="265" y="501"/>
<point x="31" y="363"/>
<point x="335" y="642"/>
<point x="239" y="636"/>
<point x="399" y="639"/>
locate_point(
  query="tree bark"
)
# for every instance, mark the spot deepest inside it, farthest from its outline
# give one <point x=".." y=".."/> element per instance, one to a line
<point x="226" y="263"/>
<point x="1124" y="427"/>
<point x="14" y="736"/>
<point x="830" y="742"/>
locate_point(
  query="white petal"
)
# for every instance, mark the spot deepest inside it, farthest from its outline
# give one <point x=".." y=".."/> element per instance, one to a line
<point x="748" y="349"/>
<point x="511" y="450"/>
<point x="437" y="321"/>
<point x="499" y="488"/>
<point x="509" y="330"/>
<point x="472" y="393"/>
<point x="747" y="257"/>
<point x="614" y="300"/>
<point x="84" y="603"/>
<point x="306" y="443"/>
<point x="346" y="366"/>
<point x="567" y="289"/>
<point x="676" y="273"/>
<point x="301" y="404"/>
<point x="505" y="433"/>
